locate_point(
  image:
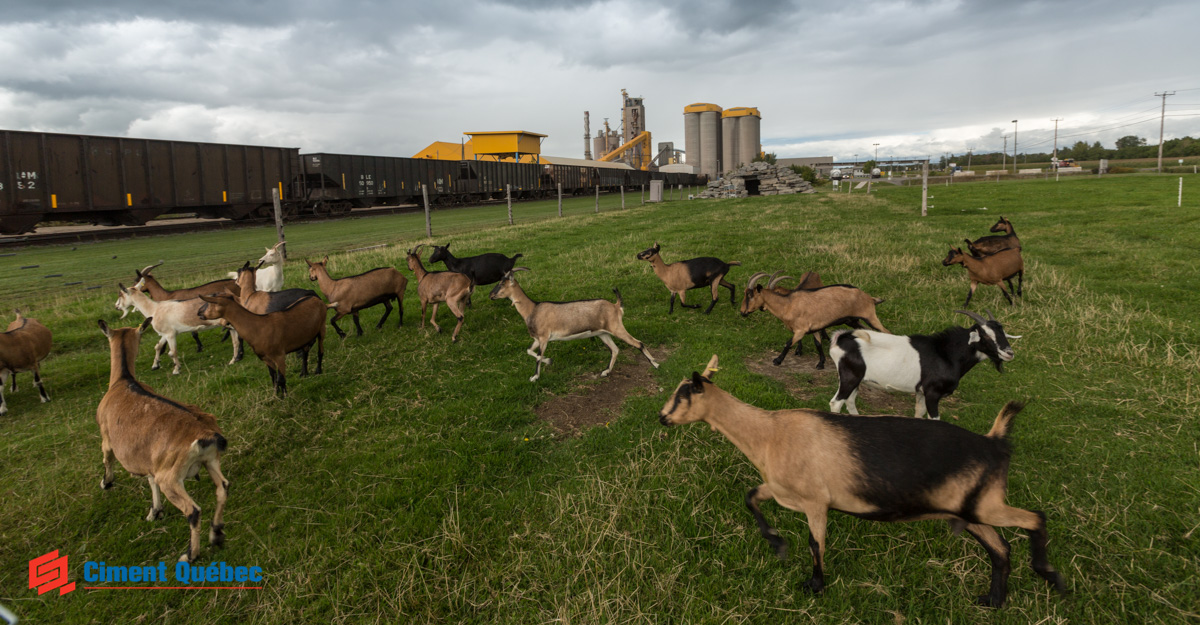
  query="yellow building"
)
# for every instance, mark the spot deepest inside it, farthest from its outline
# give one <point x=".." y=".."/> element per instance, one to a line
<point x="492" y="145"/>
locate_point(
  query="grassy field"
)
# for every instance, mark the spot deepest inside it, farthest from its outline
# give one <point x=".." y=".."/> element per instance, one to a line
<point x="419" y="481"/>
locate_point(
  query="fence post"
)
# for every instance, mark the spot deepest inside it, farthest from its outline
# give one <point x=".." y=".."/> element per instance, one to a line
<point x="560" y="199"/>
<point x="597" y="199"/>
<point x="1180" y="202"/>
<point x="428" y="227"/>
<point x="623" y="194"/>
<point x="925" y="189"/>
<point x="508" y="196"/>
<point x="643" y="194"/>
<point x="279" y="219"/>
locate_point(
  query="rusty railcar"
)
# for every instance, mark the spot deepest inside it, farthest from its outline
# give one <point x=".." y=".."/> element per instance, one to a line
<point x="120" y="181"/>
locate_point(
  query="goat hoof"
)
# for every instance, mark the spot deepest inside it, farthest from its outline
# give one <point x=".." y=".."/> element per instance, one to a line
<point x="533" y="378"/>
<point x="105" y="485"/>
<point x="814" y="585"/>
<point x="778" y="361"/>
<point x="175" y="372"/>
<point x="154" y="514"/>
<point x="987" y="601"/>
<point x="184" y="558"/>
<point x="216" y="537"/>
<point x="604" y="374"/>
<point x="821" y="366"/>
<point x="154" y="367"/>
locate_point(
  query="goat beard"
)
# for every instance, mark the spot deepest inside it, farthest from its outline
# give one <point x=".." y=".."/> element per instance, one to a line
<point x="999" y="365"/>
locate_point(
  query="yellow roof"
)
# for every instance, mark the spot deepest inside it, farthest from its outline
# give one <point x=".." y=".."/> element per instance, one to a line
<point x="701" y="107"/>
<point x="507" y="142"/>
<point x="446" y="151"/>
<point x="741" y="111"/>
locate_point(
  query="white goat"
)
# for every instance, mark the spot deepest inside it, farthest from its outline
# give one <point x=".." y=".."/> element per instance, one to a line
<point x="270" y="270"/>
<point x="170" y="318"/>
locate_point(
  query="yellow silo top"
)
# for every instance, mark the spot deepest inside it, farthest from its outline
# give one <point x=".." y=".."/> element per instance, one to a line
<point x="701" y="107"/>
<point x="741" y="111"/>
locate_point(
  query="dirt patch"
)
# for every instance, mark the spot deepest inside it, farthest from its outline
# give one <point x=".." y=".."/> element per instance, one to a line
<point x="597" y="403"/>
<point x="802" y="379"/>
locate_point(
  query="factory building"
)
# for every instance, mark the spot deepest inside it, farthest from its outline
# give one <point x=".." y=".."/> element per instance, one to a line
<point x="717" y="140"/>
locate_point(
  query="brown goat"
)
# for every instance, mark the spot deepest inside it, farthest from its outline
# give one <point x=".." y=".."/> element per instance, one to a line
<point x="355" y="293"/>
<point x="694" y="273"/>
<point x="275" y="335"/>
<point x="567" y="321"/>
<point x="806" y="311"/>
<point x="22" y="348"/>
<point x="161" y="439"/>
<point x="149" y="285"/>
<point x="440" y="286"/>
<point x="880" y="468"/>
<point x="992" y="244"/>
<point x="991" y="269"/>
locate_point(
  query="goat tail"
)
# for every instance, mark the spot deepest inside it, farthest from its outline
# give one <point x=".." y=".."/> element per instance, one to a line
<point x="878" y="300"/>
<point x="1004" y="419"/>
<point x="620" y="306"/>
<point x="516" y="256"/>
<point x="203" y="445"/>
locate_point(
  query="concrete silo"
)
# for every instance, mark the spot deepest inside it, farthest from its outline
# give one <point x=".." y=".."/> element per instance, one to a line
<point x="742" y="126"/>
<point x="730" y="157"/>
<point x="691" y="137"/>
<point x="705" y="153"/>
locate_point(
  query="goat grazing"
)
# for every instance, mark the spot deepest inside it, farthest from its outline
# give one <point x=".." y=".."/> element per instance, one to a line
<point x="269" y="276"/>
<point x="995" y="243"/>
<point x="928" y="365"/>
<point x="806" y="311"/>
<point x="161" y="439"/>
<point x="440" y="286"/>
<point x="681" y="276"/>
<point x="355" y="293"/>
<point x="274" y="335"/>
<point x="881" y="468"/>
<point x="22" y="348"/>
<point x="992" y="269"/>
<point x="171" y="317"/>
<point x="486" y="268"/>
<point x="148" y="284"/>
<point x="567" y="321"/>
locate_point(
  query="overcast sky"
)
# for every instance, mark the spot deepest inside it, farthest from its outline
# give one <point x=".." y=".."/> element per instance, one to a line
<point x="388" y="78"/>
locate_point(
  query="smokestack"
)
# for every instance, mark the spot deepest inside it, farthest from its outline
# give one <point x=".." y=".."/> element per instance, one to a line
<point x="587" y="138"/>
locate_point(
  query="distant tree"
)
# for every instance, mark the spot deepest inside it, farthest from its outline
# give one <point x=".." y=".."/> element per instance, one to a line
<point x="1130" y="141"/>
<point x="806" y="172"/>
<point x="868" y="166"/>
<point x="765" y="158"/>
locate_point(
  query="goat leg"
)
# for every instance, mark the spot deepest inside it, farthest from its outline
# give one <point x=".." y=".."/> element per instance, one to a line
<point x="37" y="379"/>
<point x="357" y="325"/>
<point x="783" y="354"/>
<point x="816" y="544"/>
<point x="1005" y="292"/>
<point x="729" y="286"/>
<point x="970" y="292"/>
<point x="683" y="301"/>
<point x="216" y="534"/>
<point x="778" y="543"/>
<point x="613" y="348"/>
<point x="672" y="310"/>
<point x="156" y="509"/>
<point x="333" y="322"/>
<point x="998" y="552"/>
<point x="175" y="493"/>
<point x="387" y="310"/>
<point x="320" y="352"/>
<point x="14" y="381"/>
<point x="199" y="345"/>
<point x="820" y="349"/>
<point x="106" y="482"/>
<point x="1020" y="282"/>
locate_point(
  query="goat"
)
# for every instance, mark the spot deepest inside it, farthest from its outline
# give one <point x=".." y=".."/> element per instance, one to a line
<point x="992" y="269"/>
<point x="22" y="348"/>
<point x="882" y="469"/>
<point x="808" y="280"/>
<point x="355" y="293"/>
<point x="274" y="335"/>
<point x="694" y="273"/>
<point x="159" y="438"/>
<point x="806" y="311"/>
<point x="992" y="244"/>
<point x="440" y="286"/>
<point x="263" y="302"/>
<point x="171" y="317"/>
<point x="148" y="284"/>
<point x="270" y="270"/>
<point x="486" y="268"/>
<point x="567" y="321"/>
<point x="928" y="365"/>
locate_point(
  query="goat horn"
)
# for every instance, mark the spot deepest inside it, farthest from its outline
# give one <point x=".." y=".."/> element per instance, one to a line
<point x="989" y="312"/>
<point x="414" y="250"/>
<point x="711" y="368"/>
<point x="755" y="278"/>
<point x="972" y="315"/>
<point x="147" y="269"/>
<point x="516" y="269"/>
<point x="774" y="280"/>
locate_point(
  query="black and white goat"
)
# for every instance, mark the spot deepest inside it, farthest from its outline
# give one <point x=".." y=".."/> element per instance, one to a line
<point x="929" y="365"/>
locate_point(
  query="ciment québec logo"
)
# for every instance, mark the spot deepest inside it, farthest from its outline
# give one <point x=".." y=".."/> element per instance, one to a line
<point x="49" y="571"/>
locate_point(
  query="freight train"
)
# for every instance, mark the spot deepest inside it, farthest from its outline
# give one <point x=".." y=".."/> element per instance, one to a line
<point x="119" y="181"/>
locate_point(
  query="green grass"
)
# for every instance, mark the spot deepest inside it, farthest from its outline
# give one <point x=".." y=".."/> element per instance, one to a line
<point x="412" y="482"/>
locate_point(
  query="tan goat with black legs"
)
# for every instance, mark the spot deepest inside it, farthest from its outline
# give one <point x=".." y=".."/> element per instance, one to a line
<point x="440" y="286"/>
<point x="355" y="293"/>
<point x="164" y="440"/>
<point x="22" y="348"/>
<point x="695" y="273"/>
<point x="876" y="468"/>
<point x="806" y="311"/>
<point x="995" y="243"/>
<point x="567" y="321"/>
<point x="991" y="269"/>
<point x="275" y="335"/>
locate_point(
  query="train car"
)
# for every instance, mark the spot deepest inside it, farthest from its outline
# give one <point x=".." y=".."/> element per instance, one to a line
<point x="119" y="181"/>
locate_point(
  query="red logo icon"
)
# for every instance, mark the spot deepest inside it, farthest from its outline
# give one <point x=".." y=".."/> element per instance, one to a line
<point x="49" y="572"/>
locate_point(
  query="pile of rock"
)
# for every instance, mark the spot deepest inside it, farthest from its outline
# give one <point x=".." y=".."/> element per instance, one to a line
<point x="763" y="179"/>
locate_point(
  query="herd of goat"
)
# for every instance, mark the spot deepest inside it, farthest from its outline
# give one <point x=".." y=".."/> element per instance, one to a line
<point x="882" y="468"/>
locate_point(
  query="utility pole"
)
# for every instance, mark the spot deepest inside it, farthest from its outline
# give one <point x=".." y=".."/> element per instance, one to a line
<point x="1014" y="147"/>
<point x="1004" y="155"/>
<point x="1161" y="121"/>
<point x="1055" y="157"/>
<point x="969" y="151"/>
<point x="876" y="154"/>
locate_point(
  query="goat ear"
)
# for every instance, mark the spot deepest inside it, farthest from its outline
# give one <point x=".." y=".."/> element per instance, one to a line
<point x="974" y="337"/>
<point x="697" y="382"/>
<point x="104" y="327"/>
<point x="758" y="288"/>
<point x="325" y="260"/>
<point x="145" y="324"/>
<point x="121" y="287"/>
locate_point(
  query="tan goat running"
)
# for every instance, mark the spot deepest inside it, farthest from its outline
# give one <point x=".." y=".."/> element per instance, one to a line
<point x="991" y="269"/>
<point x="440" y="286"/>
<point x="567" y="321"/>
<point x="165" y="441"/>
<point x="806" y="311"/>
<point x="876" y="468"/>
<point x="695" y="273"/>
<point x="275" y="335"/>
<point x="355" y="293"/>
<point x="22" y="348"/>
